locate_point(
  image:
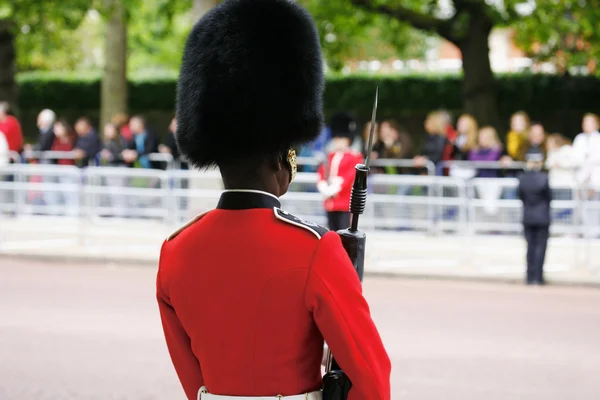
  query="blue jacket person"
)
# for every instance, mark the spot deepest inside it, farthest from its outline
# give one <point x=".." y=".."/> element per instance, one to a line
<point x="534" y="192"/>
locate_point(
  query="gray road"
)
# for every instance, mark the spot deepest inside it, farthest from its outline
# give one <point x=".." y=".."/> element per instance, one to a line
<point x="92" y="332"/>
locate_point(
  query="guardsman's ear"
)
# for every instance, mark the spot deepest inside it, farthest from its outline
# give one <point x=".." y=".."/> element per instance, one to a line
<point x="276" y="164"/>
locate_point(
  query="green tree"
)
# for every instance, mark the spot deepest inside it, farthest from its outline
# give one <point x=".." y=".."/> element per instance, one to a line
<point x="348" y="33"/>
<point x="139" y="36"/>
<point x="465" y="23"/>
<point x="37" y="19"/>
<point x="113" y="97"/>
<point x="157" y="33"/>
<point x="564" y="33"/>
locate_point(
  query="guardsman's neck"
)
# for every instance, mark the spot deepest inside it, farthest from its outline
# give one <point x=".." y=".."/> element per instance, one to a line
<point x="254" y="188"/>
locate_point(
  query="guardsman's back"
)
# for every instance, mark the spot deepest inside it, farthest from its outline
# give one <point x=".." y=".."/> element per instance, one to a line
<point x="253" y="301"/>
<point x="248" y="293"/>
<point x="249" y="282"/>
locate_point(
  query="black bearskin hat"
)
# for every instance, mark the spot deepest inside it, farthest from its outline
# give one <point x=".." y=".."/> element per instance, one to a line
<point x="251" y="82"/>
<point x="343" y="125"/>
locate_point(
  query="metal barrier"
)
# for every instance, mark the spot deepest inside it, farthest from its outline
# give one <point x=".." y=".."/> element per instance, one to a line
<point x="494" y="207"/>
<point x="41" y="189"/>
<point x="127" y="192"/>
<point x="49" y="155"/>
<point x="396" y="201"/>
<point x="514" y="165"/>
<point x="165" y="158"/>
<point x="96" y="196"/>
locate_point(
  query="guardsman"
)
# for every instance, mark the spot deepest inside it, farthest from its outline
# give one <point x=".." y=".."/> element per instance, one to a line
<point x="337" y="175"/>
<point x="247" y="292"/>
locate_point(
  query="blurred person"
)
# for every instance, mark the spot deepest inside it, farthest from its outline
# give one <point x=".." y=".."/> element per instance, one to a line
<point x="275" y="295"/>
<point x="488" y="148"/>
<point x="315" y="149"/>
<point x="11" y="128"/>
<point x="466" y="140"/>
<point x="446" y="118"/>
<point x="11" y="140"/>
<point x="534" y="192"/>
<point x="121" y="121"/>
<point x="536" y="140"/>
<point x="143" y="144"/>
<point x="337" y="175"/>
<point x="45" y="123"/>
<point x="489" y="191"/>
<point x="170" y="146"/>
<point x="586" y="149"/>
<point x="451" y="135"/>
<point x="517" y="137"/>
<point x="467" y="135"/>
<point x="4" y="151"/>
<point x="88" y="144"/>
<point x="560" y="160"/>
<point x="394" y="143"/>
<point x="435" y="142"/>
<point x="113" y="145"/>
<point x="68" y="196"/>
<point x="360" y="143"/>
<point x="64" y="140"/>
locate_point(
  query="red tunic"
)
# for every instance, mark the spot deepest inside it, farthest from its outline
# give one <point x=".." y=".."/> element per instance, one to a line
<point x="341" y="165"/>
<point x="11" y="128"/>
<point x="247" y="293"/>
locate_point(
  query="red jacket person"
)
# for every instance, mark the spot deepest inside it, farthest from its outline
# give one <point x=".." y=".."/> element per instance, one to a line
<point x="247" y="292"/>
<point x="336" y="176"/>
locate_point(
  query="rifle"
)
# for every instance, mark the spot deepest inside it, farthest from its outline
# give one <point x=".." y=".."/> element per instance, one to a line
<point x="336" y="383"/>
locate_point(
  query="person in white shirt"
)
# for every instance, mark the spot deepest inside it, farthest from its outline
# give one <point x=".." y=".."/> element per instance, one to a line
<point x="4" y="154"/>
<point x="560" y="160"/>
<point x="586" y="149"/>
<point x="587" y="155"/>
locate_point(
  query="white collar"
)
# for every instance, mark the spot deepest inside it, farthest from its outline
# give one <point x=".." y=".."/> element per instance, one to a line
<point x="250" y="191"/>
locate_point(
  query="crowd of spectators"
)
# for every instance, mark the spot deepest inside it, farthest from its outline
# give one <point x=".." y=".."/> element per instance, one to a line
<point x="124" y="142"/>
<point x="130" y="142"/>
<point x="445" y="142"/>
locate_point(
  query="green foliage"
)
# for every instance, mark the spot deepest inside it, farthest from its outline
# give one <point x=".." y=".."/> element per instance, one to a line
<point x="41" y="27"/>
<point x="157" y="31"/>
<point x="348" y="34"/>
<point x="400" y="96"/>
<point x="563" y="32"/>
<point x="71" y="36"/>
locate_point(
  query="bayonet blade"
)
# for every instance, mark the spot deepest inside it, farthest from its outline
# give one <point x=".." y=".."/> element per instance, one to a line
<point x="372" y="133"/>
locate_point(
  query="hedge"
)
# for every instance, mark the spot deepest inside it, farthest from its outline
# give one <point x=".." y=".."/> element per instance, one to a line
<point x="401" y="96"/>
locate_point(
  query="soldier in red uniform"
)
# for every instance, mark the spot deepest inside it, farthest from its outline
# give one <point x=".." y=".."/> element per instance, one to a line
<point x="337" y="175"/>
<point x="247" y="292"/>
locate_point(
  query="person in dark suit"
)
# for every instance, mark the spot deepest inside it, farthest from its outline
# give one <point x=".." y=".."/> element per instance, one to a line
<point x="88" y="144"/>
<point x="143" y="143"/>
<point x="534" y="192"/>
<point x="170" y="146"/>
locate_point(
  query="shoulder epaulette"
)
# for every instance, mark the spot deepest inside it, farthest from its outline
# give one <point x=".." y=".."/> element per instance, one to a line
<point x="315" y="229"/>
<point x="187" y="225"/>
